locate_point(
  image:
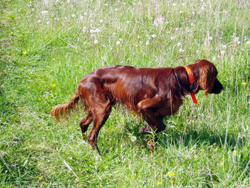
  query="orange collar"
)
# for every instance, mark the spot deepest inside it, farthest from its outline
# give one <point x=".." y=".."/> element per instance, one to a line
<point x="191" y="80"/>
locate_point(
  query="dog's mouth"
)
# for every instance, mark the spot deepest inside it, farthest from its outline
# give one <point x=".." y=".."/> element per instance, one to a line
<point x="217" y="88"/>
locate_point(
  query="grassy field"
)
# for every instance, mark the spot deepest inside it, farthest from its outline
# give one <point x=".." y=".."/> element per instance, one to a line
<point x="48" y="46"/>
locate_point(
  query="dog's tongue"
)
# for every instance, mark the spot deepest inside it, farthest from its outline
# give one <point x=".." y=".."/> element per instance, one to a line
<point x="194" y="98"/>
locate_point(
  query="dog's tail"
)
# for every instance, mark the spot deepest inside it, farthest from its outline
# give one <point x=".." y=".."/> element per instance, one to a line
<point x="63" y="109"/>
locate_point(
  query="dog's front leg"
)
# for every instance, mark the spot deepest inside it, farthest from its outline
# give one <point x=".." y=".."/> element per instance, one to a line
<point x="147" y="109"/>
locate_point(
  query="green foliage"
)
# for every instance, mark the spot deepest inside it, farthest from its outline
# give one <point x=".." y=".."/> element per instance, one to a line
<point x="48" y="46"/>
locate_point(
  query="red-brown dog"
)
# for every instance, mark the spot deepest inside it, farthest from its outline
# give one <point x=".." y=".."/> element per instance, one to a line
<point x="151" y="92"/>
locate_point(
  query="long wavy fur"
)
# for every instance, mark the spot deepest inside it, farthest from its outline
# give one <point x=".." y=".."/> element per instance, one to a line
<point x="63" y="109"/>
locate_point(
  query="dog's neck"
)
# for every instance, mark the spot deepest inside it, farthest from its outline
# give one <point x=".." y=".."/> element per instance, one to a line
<point x="191" y="81"/>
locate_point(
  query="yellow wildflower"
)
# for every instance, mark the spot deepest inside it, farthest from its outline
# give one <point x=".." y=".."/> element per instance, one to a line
<point x="22" y="107"/>
<point x="218" y="147"/>
<point x="19" y="107"/>
<point x="171" y="174"/>
<point x="244" y="83"/>
<point x="173" y="181"/>
<point x="13" y="54"/>
<point x="38" y="125"/>
<point x="53" y="59"/>
<point x="54" y="85"/>
<point x="234" y="152"/>
<point x="159" y="183"/>
<point x="25" y="52"/>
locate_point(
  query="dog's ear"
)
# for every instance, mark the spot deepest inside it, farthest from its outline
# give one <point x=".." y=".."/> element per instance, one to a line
<point x="207" y="77"/>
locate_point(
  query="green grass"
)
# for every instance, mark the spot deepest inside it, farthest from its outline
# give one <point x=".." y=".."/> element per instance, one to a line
<point x="44" y="55"/>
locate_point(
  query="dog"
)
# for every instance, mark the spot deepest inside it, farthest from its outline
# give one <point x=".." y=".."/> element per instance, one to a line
<point x="153" y="93"/>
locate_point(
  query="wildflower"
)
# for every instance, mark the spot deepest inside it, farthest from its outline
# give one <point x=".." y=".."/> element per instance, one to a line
<point x="244" y="83"/>
<point x="178" y="44"/>
<point x="181" y="50"/>
<point x="95" y="41"/>
<point x="25" y="35"/>
<point x="174" y="4"/>
<point x="84" y="29"/>
<point x="22" y="107"/>
<point x="153" y="36"/>
<point x="222" y="52"/>
<point x="224" y="46"/>
<point x="38" y="125"/>
<point x="44" y="12"/>
<point x="159" y="183"/>
<point x="19" y="107"/>
<point x="218" y="147"/>
<point x="54" y="85"/>
<point x="118" y="42"/>
<point x="53" y="59"/>
<point x="25" y="52"/>
<point x="85" y="13"/>
<point x="13" y="54"/>
<point x="38" y="21"/>
<point x="171" y="174"/>
<point x="180" y="11"/>
<point x="214" y="58"/>
<point x="173" y="181"/>
<point x="48" y="22"/>
<point x="101" y="21"/>
<point x="234" y="152"/>
<point x="147" y="43"/>
<point x="133" y="138"/>
<point x="210" y="38"/>
<point x="73" y="15"/>
<point x="248" y="42"/>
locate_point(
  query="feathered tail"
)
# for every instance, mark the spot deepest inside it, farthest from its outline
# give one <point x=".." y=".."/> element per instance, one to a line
<point x="63" y="109"/>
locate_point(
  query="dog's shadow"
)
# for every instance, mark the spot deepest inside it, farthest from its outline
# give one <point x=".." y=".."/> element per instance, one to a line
<point x="184" y="135"/>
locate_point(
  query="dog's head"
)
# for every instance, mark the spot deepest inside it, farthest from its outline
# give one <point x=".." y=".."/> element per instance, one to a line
<point x="205" y="77"/>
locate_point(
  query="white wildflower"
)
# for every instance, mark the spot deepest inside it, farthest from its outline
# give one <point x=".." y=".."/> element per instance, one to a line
<point x="248" y="42"/>
<point x="147" y="43"/>
<point x="224" y="46"/>
<point x="174" y="4"/>
<point x="38" y="21"/>
<point x="48" y="22"/>
<point x="222" y="52"/>
<point x="210" y="38"/>
<point x="133" y="138"/>
<point x="95" y="41"/>
<point x="153" y="36"/>
<point x="178" y="44"/>
<point x="181" y="50"/>
<point x="44" y="12"/>
<point x="118" y="42"/>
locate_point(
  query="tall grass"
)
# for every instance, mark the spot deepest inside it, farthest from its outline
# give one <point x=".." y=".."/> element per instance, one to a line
<point x="48" y="46"/>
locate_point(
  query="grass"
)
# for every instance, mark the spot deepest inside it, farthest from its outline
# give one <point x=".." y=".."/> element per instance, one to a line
<point x="48" y="46"/>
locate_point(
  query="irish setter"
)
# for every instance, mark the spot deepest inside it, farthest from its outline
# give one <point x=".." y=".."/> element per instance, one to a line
<point x="153" y="93"/>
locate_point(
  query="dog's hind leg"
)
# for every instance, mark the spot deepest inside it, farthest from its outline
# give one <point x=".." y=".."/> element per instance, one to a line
<point x="84" y="123"/>
<point x="101" y="113"/>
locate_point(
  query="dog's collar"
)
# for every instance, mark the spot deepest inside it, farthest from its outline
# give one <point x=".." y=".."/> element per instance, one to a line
<point x="191" y="81"/>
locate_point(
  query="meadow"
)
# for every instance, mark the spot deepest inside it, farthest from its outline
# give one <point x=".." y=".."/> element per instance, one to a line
<point x="47" y="46"/>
